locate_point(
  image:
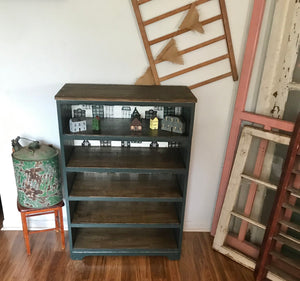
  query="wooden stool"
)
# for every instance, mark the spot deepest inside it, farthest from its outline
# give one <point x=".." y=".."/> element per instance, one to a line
<point x="31" y="212"/>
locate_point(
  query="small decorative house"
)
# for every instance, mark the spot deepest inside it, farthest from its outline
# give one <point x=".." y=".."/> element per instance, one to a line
<point x="154" y="144"/>
<point x="150" y="113"/>
<point x="86" y="143"/>
<point x="173" y="124"/>
<point x="82" y="110"/>
<point x="125" y="143"/>
<point x="105" y="143"/>
<point x="154" y="123"/>
<point x="126" y="111"/>
<point x="135" y="114"/>
<point x="77" y="113"/>
<point x="135" y="125"/>
<point x="77" y="125"/>
<point x="98" y="110"/>
<point x="96" y="123"/>
<point x="169" y="111"/>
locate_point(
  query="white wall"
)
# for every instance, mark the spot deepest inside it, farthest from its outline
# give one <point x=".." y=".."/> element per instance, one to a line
<point x="46" y="43"/>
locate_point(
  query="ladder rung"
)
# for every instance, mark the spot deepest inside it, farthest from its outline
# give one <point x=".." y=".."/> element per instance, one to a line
<point x="288" y="242"/>
<point x="289" y="261"/>
<point x="281" y="273"/>
<point x="291" y="238"/>
<point x="294" y="86"/>
<point x="291" y="207"/>
<point x="140" y="2"/>
<point x="290" y="225"/>
<point x="267" y="184"/>
<point x="196" y="47"/>
<point x="295" y="192"/>
<point x="194" y="67"/>
<point x="245" y="218"/>
<point x="210" y="80"/>
<point x="181" y="31"/>
<point x="297" y="172"/>
<point x="171" y="13"/>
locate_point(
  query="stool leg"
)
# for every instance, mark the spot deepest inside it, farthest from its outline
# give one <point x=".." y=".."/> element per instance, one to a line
<point x="25" y="233"/>
<point x="62" y="232"/>
<point x="56" y="220"/>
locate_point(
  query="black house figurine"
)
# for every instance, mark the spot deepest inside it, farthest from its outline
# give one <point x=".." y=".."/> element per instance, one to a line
<point x="135" y="114"/>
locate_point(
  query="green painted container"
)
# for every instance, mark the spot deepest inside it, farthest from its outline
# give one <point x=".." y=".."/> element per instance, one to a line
<point x="37" y="175"/>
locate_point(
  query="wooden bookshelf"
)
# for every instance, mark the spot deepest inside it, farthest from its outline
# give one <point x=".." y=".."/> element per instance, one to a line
<point x="120" y="199"/>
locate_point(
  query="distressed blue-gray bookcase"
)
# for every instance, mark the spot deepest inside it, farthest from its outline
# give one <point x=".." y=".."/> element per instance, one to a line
<point x="125" y="200"/>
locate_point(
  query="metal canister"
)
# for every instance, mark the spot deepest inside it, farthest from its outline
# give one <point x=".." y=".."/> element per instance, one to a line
<point x="37" y="174"/>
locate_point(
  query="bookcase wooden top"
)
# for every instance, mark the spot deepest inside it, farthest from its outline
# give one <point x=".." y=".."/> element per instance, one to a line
<point x="125" y="93"/>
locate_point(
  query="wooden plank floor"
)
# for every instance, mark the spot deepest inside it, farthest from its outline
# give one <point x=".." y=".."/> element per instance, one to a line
<point x="48" y="262"/>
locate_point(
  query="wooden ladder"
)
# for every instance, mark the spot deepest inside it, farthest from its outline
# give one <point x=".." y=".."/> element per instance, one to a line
<point x="280" y="253"/>
<point x="142" y="24"/>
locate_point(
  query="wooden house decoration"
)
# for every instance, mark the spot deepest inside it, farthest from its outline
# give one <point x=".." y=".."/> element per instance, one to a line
<point x="125" y="143"/>
<point x="77" y="113"/>
<point x="86" y="143"/>
<point x="105" y="143"/>
<point x="126" y="111"/>
<point x="82" y="110"/>
<point x="135" y="114"/>
<point x="77" y="125"/>
<point x="173" y="124"/>
<point x="98" y="110"/>
<point x="108" y="111"/>
<point x="169" y="110"/>
<point x="150" y="113"/>
<point x="135" y="125"/>
<point x="154" y="123"/>
<point x="96" y="123"/>
<point x="154" y="144"/>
